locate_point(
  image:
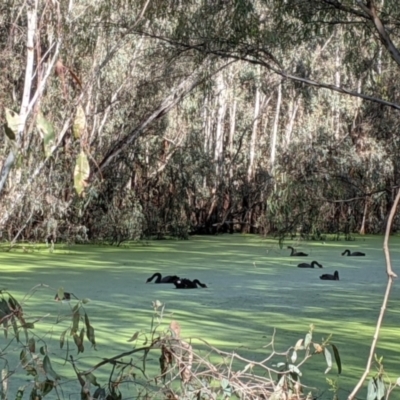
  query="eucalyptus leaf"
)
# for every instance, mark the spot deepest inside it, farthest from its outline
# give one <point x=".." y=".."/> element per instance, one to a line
<point x="79" y="122"/>
<point x="372" y="392"/>
<point x="48" y="368"/>
<point x="81" y="173"/>
<point x="337" y="358"/>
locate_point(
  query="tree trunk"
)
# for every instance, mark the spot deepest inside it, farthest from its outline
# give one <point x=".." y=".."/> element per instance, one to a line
<point x="275" y="128"/>
<point x="219" y="129"/>
<point x="253" y="139"/>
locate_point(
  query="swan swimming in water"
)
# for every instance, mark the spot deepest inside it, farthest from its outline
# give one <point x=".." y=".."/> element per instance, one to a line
<point x="312" y="265"/>
<point x="354" y="253"/>
<point x="330" y="277"/>
<point x="296" y="253"/>
<point x="188" y="284"/>
<point x="166" y="279"/>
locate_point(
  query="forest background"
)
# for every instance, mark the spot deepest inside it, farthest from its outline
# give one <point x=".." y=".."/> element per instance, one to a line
<point x="151" y="118"/>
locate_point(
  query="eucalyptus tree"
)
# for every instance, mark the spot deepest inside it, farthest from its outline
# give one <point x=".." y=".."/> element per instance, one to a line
<point x="340" y="46"/>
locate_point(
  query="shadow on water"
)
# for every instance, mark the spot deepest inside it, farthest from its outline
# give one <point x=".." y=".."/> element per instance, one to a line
<point x="254" y="287"/>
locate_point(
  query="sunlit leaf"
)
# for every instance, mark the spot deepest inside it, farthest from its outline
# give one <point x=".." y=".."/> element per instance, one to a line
<point x="337" y="358"/>
<point x="79" y="122"/>
<point x="380" y="389"/>
<point x="90" y="331"/>
<point x="48" y="368"/>
<point x="293" y="368"/>
<point x="398" y="382"/>
<point x="328" y="359"/>
<point x="307" y="340"/>
<point x="12" y="125"/>
<point x="299" y="345"/>
<point x="85" y="300"/>
<point x="371" y="394"/>
<point x="224" y="383"/>
<point x="81" y="173"/>
<point x="46" y="131"/>
<point x="294" y="356"/>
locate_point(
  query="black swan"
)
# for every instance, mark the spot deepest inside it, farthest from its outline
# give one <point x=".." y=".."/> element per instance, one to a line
<point x="297" y="253"/>
<point x="67" y="297"/>
<point x="188" y="284"/>
<point x="312" y="265"/>
<point x="354" y="253"/>
<point x="166" y="279"/>
<point x="330" y="277"/>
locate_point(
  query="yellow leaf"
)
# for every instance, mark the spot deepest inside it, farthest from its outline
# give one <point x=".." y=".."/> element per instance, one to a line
<point x="81" y="173"/>
<point x="79" y="122"/>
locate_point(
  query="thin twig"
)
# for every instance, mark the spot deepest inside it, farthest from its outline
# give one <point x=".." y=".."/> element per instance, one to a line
<point x="390" y="275"/>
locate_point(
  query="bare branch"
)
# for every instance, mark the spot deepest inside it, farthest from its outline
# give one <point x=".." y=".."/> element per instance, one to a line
<point x="391" y="275"/>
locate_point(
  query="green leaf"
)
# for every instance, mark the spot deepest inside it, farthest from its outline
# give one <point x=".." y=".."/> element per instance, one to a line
<point x="307" y="340"/>
<point x="9" y="133"/>
<point x="85" y="301"/>
<point x="371" y="394"/>
<point x="92" y="379"/>
<point x="46" y="131"/>
<point x="49" y="369"/>
<point x="47" y="387"/>
<point x="337" y="358"/>
<point x="224" y="383"/>
<point x="134" y="337"/>
<point x="15" y="328"/>
<point x="62" y="338"/>
<point x="299" y="345"/>
<point x="75" y="319"/>
<point x="43" y="350"/>
<point x="78" y="343"/>
<point x="81" y="173"/>
<point x="20" y="393"/>
<point x="79" y="122"/>
<point x="90" y="331"/>
<point x="23" y="358"/>
<point x="12" y="125"/>
<point x="60" y="293"/>
<point x="294" y="356"/>
<point x="380" y="389"/>
<point x="328" y="359"/>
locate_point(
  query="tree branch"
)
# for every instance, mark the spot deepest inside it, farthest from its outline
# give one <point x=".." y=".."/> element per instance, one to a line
<point x="182" y="90"/>
<point x="252" y="56"/>
<point x="370" y="10"/>
<point x="391" y="275"/>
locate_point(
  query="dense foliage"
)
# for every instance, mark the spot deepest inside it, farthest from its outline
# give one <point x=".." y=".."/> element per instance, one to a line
<point x="129" y="119"/>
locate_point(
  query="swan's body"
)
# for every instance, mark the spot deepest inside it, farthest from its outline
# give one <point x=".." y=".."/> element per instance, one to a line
<point x="354" y="253"/>
<point x="166" y="279"/>
<point x="188" y="284"/>
<point x="312" y="265"/>
<point x="330" y="277"/>
<point x="296" y="253"/>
